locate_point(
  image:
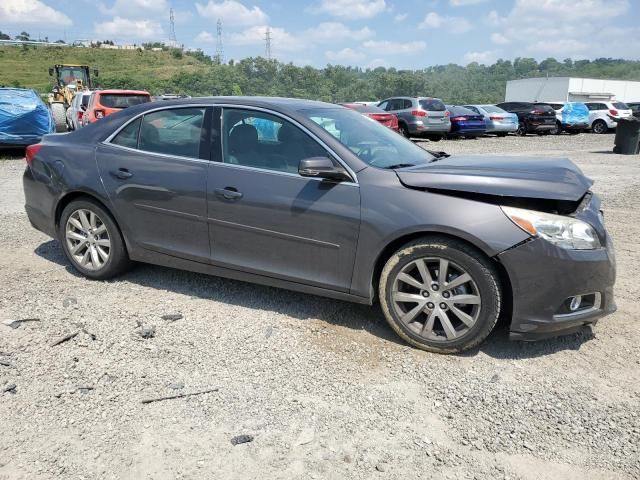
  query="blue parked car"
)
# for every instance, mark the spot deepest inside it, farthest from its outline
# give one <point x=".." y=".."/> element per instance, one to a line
<point x="466" y="123"/>
<point x="498" y="121"/>
<point x="571" y="117"/>
<point x="24" y="118"/>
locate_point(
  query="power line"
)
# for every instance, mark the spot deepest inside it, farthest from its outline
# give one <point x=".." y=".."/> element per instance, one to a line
<point x="267" y="41"/>
<point x="219" y="46"/>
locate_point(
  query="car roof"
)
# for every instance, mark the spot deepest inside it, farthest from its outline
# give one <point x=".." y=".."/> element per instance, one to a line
<point x="119" y="91"/>
<point x="292" y="104"/>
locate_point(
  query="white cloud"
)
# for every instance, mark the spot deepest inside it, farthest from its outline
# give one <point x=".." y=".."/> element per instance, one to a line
<point x="281" y="40"/>
<point x="352" y="8"/>
<point x="346" y="55"/>
<point x="232" y="13"/>
<point x="453" y="25"/>
<point x="336" y="31"/>
<point x="486" y="57"/>
<point x="31" y="12"/>
<point x="464" y="3"/>
<point x="400" y="17"/>
<point x="135" y="8"/>
<point x="127" y="28"/>
<point x="581" y="28"/>
<point x="205" y="37"/>
<point x="386" y="47"/>
<point x="499" y="39"/>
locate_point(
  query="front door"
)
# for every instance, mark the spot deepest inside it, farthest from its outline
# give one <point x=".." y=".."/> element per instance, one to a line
<point x="155" y="177"/>
<point x="265" y="218"/>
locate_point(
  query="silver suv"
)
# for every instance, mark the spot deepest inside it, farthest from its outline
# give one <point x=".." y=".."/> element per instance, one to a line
<point x="605" y="115"/>
<point x="419" y="116"/>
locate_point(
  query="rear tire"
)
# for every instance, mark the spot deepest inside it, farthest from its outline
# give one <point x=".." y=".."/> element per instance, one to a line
<point x="404" y="131"/>
<point x="59" y="116"/>
<point x="599" y="127"/>
<point x="501" y="134"/>
<point x="423" y="311"/>
<point x="101" y="254"/>
<point x="522" y="129"/>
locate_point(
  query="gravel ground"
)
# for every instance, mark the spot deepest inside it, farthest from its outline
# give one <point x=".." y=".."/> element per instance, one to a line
<point x="323" y="387"/>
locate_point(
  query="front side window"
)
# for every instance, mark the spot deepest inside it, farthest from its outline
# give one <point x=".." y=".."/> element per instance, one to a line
<point x="172" y="132"/>
<point x="372" y="142"/>
<point x="260" y="140"/>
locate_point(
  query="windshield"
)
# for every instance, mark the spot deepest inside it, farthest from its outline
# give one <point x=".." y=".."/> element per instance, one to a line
<point x="432" y="105"/>
<point x="492" y="109"/>
<point x="372" y="142"/>
<point x="122" y="101"/>
<point x="620" y="106"/>
<point x="69" y="75"/>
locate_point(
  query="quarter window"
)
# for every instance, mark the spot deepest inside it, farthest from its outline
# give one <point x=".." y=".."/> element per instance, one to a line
<point x="173" y="132"/>
<point x="261" y="140"/>
<point x="128" y="136"/>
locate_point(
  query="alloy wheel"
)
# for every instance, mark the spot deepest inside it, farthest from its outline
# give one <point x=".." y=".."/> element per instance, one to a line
<point x="88" y="239"/>
<point x="436" y="299"/>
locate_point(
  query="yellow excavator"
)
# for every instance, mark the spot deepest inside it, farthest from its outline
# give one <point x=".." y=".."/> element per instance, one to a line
<point x="68" y="79"/>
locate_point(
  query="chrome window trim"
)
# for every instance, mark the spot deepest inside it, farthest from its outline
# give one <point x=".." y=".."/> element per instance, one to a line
<point x="107" y="141"/>
<point x="157" y="154"/>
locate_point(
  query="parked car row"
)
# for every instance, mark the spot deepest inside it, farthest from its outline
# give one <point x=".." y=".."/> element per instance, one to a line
<point x="430" y="118"/>
<point x="89" y="107"/>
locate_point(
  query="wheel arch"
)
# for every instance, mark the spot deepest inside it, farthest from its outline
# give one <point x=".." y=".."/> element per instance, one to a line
<point x="69" y="197"/>
<point x="397" y="243"/>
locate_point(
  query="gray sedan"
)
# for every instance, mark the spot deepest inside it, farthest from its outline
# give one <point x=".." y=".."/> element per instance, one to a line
<point x="320" y="199"/>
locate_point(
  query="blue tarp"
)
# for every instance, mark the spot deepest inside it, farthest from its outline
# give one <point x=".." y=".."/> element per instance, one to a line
<point x="575" y="113"/>
<point x="24" y="118"/>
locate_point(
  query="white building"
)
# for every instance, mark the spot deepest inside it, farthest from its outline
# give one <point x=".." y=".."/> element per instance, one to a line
<point x="555" y="89"/>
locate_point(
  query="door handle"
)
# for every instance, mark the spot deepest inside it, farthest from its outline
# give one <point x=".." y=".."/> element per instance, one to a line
<point x="122" y="173"/>
<point x="228" y="193"/>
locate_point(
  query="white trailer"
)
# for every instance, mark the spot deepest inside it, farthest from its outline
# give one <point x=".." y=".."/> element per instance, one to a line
<point x="570" y="89"/>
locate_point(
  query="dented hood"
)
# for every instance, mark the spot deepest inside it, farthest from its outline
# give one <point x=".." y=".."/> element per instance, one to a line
<point x="525" y="177"/>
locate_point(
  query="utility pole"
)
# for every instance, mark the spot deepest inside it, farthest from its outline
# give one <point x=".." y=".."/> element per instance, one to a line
<point x="172" y="30"/>
<point x="267" y="41"/>
<point x="219" y="47"/>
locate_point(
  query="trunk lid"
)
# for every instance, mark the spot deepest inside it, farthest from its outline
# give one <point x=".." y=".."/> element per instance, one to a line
<point x="513" y="176"/>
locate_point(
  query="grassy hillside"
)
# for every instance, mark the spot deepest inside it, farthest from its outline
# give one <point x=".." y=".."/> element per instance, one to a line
<point x="30" y="67"/>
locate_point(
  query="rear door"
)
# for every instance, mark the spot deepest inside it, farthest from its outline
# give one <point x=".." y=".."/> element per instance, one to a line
<point x="266" y="219"/>
<point x="155" y="173"/>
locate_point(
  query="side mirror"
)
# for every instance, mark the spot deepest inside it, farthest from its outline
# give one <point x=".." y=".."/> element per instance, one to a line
<point x="83" y="108"/>
<point x="95" y="73"/>
<point x="51" y="72"/>
<point x="322" y="167"/>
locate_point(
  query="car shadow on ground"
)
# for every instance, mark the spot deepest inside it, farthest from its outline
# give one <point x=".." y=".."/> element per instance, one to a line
<point x="306" y="307"/>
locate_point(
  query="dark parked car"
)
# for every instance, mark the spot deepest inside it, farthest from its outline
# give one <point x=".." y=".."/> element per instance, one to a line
<point x="385" y="118"/>
<point x="424" y="117"/>
<point x="537" y="118"/>
<point x="317" y="198"/>
<point x="465" y="122"/>
<point x="635" y="108"/>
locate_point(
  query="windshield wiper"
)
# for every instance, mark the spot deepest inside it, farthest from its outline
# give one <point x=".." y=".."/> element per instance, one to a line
<point x="400" y="165"/>
<point x="438" y="155"/>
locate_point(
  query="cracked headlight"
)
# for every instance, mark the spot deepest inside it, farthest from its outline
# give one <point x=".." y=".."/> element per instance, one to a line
<point x="563" y="232"/>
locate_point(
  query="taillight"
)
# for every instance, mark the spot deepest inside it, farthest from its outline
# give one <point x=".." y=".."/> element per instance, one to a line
<point x="447" y="113"/>
<point x="459" y="119"/>
<point x="496" y="118"/>
<point x="31" y="151"/>
<point x="99" y="113"/>
<point x="613" y="112"/>
<point x="418" y="113"/>
<point x="80" y="115"/>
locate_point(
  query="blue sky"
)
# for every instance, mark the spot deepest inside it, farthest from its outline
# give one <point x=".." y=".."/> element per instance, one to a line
<point x="367" y="33"/>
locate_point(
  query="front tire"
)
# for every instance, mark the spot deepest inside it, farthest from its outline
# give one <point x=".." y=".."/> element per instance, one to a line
<point x="522" y="129"/>
<point x="91" y="240"/>
<point x="440" y="295"/>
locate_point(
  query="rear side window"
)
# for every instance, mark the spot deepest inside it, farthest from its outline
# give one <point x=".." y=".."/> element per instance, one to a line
<point x="173" y="132"/>
<point x="432" y="105"/>
<point x="85" y="100"/>
<point x="407" y="104"/>
<point x="128" y="136"/>
<point x="621" y="105"/>
<point x="122" y="101"/>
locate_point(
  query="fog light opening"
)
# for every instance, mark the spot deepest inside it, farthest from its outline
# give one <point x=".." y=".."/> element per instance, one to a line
<point x="575" y="303"/>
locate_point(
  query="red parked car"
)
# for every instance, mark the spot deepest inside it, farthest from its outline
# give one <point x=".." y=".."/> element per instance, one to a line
<point x="105" y="102"/>
<point x="387" y="119"/>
